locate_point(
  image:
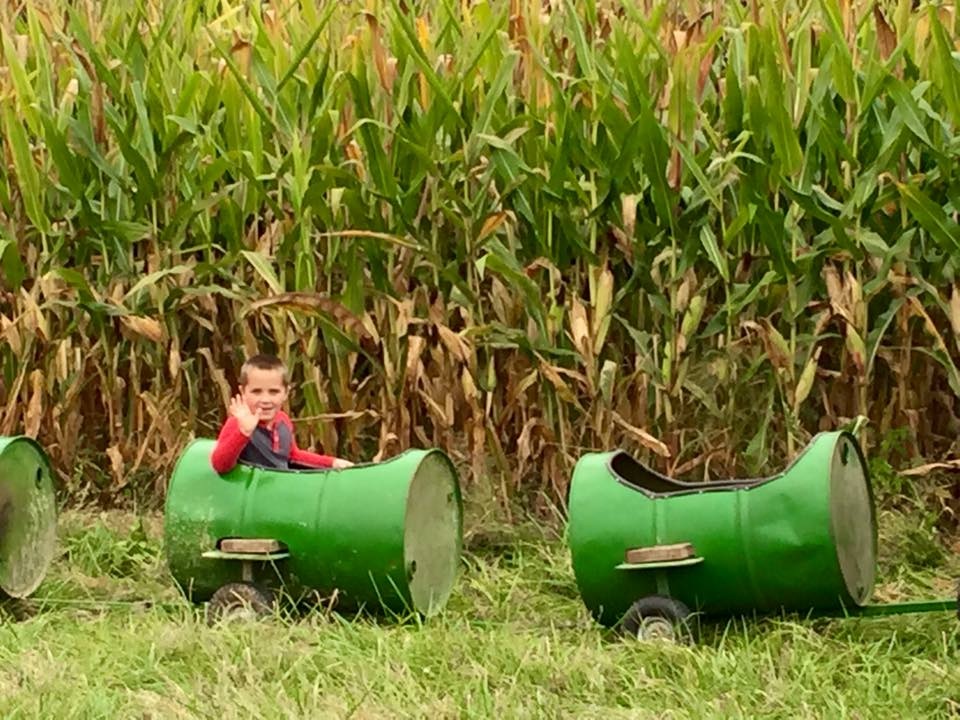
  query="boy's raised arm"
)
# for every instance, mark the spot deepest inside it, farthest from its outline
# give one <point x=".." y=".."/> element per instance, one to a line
<point x="230" y="444"/>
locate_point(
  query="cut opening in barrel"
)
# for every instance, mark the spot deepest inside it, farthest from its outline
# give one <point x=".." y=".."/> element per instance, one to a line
<point x="638" y="476"/>
<point x="853" y="520"/>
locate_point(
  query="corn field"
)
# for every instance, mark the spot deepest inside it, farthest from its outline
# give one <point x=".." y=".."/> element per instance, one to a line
<point x="514" y="229"/>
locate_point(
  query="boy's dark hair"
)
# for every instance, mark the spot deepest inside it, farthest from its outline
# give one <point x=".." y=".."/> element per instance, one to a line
<point x="263" y="362"/>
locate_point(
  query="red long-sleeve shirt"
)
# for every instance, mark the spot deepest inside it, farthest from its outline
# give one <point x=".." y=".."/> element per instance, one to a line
<point x="276" y="442"/>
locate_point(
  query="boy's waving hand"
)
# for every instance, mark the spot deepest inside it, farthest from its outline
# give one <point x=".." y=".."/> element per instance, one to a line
<point x="246" y="418"/>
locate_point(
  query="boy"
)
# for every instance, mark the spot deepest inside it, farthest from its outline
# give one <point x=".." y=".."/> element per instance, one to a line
<point x="258" y="431"/>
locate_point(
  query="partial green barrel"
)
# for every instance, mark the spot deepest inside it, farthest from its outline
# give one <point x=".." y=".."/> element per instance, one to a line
<point x="28" y="516"/>
<point x="383" y="536"/>
<point x="802" y="540"/>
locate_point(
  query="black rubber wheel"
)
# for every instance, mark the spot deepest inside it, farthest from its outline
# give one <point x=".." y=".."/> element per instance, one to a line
<point x="240" y="601"/>
<point x="16" y="609"/>
<point x="657" y="617"/>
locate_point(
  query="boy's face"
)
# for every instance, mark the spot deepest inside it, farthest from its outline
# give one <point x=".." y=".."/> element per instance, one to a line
<point x="264" y="393"/>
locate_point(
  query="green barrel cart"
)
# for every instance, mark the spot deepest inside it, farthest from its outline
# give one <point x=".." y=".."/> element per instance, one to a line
<point x="381" y="536"/>
<point x="28" y="516"/>
<point x="648" y="550"/>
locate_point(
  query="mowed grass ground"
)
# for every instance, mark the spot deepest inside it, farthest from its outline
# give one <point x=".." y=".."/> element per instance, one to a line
<point x="107" y="636"/>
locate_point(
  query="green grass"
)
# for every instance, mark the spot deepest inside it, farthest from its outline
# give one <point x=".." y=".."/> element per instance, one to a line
<point x="107" y="636"/>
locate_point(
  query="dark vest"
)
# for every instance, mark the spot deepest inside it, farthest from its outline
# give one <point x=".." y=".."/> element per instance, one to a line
<point x="260" y="450"/>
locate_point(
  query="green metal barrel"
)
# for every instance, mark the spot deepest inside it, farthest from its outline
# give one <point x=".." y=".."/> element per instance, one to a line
<point x="802" y="540"/>
<point x="383" y="536"/>
<point x="28" y="516"/>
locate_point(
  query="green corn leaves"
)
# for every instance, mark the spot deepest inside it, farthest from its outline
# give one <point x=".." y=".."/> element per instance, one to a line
<point x="751" y="197"/>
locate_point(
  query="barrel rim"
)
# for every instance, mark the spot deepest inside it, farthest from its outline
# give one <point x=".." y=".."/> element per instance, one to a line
<point x="458" y="544"/>
<point x="874" y="539"/>
<point x="6" y="442"/>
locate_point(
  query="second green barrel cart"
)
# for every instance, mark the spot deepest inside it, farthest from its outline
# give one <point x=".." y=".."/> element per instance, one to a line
<point x="647" y="550"/>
